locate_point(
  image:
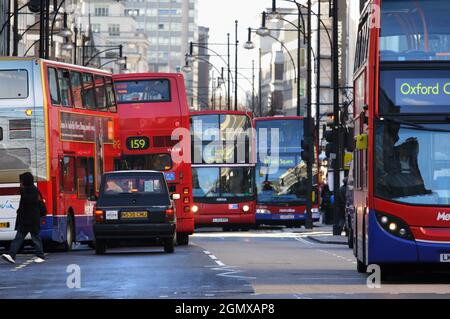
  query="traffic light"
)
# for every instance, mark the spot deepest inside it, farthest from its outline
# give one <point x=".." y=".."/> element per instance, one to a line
<point x="307" y="144"/>
<point x="306" y="153"/>
<point x="34" y="6"/>
<point x="330" y="137"/>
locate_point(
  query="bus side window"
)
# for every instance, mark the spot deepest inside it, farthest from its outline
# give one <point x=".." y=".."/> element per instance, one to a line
<point x="110" y="97"/>
<point x="53" y="86"/>
<point x="100" y="93"/>
<point x="68" y="174"/>
<point x="75" y="80"/>
<point x="88" y="92"/>
<point x="64" y="88"/>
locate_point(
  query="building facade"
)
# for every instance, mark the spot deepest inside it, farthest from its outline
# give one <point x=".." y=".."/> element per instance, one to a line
<point x="169" y="25"/>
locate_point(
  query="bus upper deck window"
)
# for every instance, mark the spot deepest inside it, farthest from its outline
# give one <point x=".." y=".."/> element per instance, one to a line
<point x="88" y="91"/>
<point x="14" y="84"/>
<point x="1" y="134"/>
<point x="64" y="88"/>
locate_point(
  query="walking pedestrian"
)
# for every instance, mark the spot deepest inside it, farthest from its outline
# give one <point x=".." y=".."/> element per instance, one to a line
<point x="28" y="220"/>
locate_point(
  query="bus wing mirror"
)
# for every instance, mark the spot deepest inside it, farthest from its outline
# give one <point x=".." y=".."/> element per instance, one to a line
<point x="361" y="142"/>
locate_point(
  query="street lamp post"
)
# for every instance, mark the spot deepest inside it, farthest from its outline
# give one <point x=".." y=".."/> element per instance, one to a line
<point x="236" y="68"/>
<point x="336" y="166"/>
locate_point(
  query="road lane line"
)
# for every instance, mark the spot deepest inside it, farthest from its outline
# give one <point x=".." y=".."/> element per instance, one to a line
<point x="220" y="263"/>
<point x="213" y="257"/>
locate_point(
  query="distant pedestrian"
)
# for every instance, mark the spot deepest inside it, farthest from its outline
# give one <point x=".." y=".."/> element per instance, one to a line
<point x="326" y="204"/>
<point x="28" y="220"/>
<point x="342" y="203"/>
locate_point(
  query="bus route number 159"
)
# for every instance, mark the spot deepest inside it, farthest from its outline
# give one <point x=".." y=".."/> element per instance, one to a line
<point x="138" y="143"/>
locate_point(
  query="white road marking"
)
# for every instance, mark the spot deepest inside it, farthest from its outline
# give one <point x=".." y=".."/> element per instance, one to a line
<point x="304" y="241"/>
<point x="213" y="257"/>
<point x="1" y="288"/>
<point x="220" y="263"/>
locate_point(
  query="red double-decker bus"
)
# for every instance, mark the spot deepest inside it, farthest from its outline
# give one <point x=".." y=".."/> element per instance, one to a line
<point x="281" y="172"/>
<point x="59" y="122"/>
<point x="402" y="158"/>
<point x="152" y="107"/>
<point x="223" y="169"/>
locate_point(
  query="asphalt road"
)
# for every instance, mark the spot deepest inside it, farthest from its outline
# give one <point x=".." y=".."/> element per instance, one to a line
<point x="264" y="263"/>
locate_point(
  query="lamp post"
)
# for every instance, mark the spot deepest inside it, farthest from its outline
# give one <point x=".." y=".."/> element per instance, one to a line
<point x="308" y="138"/>
<point x="190" y="58"/>
<point x="336" y="166"/>
<point x="110" y="48"/>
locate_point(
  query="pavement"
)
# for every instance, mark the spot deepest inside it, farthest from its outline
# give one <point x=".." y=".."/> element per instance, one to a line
<point x="269" y="263"/>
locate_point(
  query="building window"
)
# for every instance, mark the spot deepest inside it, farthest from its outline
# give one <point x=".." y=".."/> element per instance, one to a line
<point x="161" y="26"/>
<point x="132" y="12"/>
<point x="101" y="12"/>
<point x="95" y="27"/>
<point x="114" y="30"/>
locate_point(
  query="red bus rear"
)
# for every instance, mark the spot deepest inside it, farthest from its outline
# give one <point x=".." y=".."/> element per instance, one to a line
<point x="223" y="169"/>
<point x="151" y="107"/>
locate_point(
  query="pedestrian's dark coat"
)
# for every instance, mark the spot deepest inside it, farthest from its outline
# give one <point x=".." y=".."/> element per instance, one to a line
<point x="28" y="217"/>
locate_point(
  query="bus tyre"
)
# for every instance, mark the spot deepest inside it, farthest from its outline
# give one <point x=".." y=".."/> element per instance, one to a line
<point x="100" y="247"/>
<point x="182" y="239"/>
<point x="169" y="245"/>
<point x="70" y="234"/>
<point x="361" y="267"/>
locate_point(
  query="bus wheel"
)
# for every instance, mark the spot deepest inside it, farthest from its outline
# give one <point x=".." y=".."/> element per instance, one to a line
<point x="169" y="245"/>
<point x="361" y="267"/>
<point x="182" y="239"/>
<point x="70" y="234"/>
<point x="100" y="247"/>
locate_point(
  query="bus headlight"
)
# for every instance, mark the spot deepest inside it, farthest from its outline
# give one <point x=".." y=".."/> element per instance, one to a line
<point x="194" y="208"/>
<point x="262" y="211"/>
<point x="245" y="208"/>
<point x="394" y="226"/>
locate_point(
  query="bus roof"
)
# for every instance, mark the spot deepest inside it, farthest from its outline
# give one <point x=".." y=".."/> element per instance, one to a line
<point x="221" y="112"/>
<point x="279" y="117"/>
<point x="148" y="75"/>
<point x="56" y="63"/>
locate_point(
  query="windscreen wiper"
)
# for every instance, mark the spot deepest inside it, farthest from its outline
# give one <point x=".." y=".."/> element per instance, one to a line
<point x="415" y="126"/>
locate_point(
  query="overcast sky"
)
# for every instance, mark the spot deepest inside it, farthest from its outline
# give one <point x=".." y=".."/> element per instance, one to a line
<point x="219" y="16"/>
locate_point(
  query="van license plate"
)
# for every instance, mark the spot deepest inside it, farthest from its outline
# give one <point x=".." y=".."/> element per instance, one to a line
<point x="4" y="225"/>
<point x="445" y="258"/>
<point x="134" y="215"/>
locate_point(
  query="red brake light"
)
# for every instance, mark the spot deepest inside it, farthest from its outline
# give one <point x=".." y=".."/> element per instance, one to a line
<point x="186" y="190"/>
<point x="187" y="209"/>
<point x="186" y="200"/>
<point x="98" y="215"/>
<point x="170" y="213"/>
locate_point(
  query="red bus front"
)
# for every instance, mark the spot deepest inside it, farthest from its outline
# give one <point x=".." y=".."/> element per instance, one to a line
<point x="402" y="158"/>
<point x="154" y="130"/>
<point x="281" y="173"/>
<point x="223" y="172"/>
